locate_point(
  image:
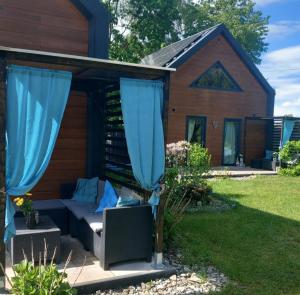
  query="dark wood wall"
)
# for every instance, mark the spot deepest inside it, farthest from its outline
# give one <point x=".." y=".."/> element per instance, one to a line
<point x="215" y="105"/>
<point x="54" y="26"/>
<point x="47" y="25"/>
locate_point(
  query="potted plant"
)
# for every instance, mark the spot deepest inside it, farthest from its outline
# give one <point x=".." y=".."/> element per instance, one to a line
<point x="25" y="205"/>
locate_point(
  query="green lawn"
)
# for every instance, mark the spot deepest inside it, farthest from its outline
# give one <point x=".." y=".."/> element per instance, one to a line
<point x="257" y="244"/>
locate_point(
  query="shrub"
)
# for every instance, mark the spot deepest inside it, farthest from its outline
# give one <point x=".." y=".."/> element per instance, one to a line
<point x="198" y="159"/>
<point x="39" y="280"/>
<point x="184" y="182"/>
<point x="290" y="153"/>
<point x="290" y="159"/>
<point x="176" y="154"/>
<point x="290" y="171"/>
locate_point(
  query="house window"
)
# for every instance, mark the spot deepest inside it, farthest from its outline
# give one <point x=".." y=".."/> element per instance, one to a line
<point x="216" y="77"/>
<point x="196" y="129"/>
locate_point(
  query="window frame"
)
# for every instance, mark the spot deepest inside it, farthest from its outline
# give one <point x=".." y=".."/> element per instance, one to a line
<point x="218" y="63"/>
<point x="239" y="137"/>
<point x="204" y="119"/>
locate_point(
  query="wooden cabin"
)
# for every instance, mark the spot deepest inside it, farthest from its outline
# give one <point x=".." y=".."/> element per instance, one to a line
<point x="215" y="88"/>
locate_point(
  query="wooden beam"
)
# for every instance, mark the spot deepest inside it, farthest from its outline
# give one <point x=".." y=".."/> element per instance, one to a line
<point x="2" y="158"/>
<point x="159" y="224"/>
<point x="95" y="137"/>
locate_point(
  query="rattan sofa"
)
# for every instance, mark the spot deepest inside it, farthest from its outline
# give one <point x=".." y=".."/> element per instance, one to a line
<point x="120" y="234"/>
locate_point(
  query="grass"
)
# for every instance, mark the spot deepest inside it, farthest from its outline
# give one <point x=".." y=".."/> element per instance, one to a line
<point x="257" y="244"/>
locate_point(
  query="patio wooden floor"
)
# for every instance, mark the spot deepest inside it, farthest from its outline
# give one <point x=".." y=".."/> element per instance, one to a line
<point x="92" y="277"/>
<point x="223" y="171"/>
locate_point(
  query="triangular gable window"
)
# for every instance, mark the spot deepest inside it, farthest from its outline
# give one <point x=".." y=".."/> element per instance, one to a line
<point x="216" y="77"/>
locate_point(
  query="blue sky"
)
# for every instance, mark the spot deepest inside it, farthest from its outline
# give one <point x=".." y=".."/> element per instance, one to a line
<point x="281" y="63"/>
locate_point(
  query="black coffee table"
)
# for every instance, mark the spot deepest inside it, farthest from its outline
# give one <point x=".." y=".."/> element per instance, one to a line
<point x="28" y="239"/>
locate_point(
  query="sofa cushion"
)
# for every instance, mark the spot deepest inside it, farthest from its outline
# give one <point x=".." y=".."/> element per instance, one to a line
<point x="95" y="221"/>
<point x="48" y="204"/>
<point x="109" y="199"/>
<point x="101" y="185"/>
<point x="79" y="209"/>
<point x="126" y="192"/>
<point x="86" y="190"/>
<point x="128" y="201"/>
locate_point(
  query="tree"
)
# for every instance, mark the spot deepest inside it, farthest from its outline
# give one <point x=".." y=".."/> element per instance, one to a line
<point x="141" y="27"/>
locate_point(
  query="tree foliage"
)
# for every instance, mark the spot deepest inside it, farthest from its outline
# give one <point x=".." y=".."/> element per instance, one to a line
<point x="140" y="27"/>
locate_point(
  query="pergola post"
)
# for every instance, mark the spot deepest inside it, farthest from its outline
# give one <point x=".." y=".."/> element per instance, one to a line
<point x="159" y="223"/>
<point x="2" y="161"/>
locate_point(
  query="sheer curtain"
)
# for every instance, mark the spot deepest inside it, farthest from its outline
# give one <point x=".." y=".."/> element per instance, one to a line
<point x="230" y="143"/>
<point x="191" y="128"/>
<point x="36" y="100"/>
<point x="288" y="127"/>
<point x="142" y="102"/>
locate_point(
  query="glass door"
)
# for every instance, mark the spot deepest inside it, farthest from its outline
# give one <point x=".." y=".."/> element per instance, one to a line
<point x="231" y="147"/>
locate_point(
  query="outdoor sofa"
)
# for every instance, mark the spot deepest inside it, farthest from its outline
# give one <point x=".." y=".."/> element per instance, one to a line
<point x="268" y="162"/>
<point x="119" y="234"/>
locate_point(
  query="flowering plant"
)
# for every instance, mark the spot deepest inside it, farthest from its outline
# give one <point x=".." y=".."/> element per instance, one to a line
<point x="176" y="153"/>
<point x="25" y="204"/>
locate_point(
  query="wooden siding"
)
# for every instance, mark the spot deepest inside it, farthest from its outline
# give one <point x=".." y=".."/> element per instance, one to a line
<point x="47" y="25"/>
<point x="68" y="161"/>
<point x="215" y="105"/>
<point x="255" y="140"/>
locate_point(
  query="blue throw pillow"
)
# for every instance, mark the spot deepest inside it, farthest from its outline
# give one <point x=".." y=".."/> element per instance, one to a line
<point x="109" y="199"/>
<point x="127" y="201"/>
<point x="269" y="155"/>
<point x="86" y="190"/>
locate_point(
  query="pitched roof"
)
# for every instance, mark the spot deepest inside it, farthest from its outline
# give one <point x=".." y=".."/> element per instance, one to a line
<point x="165" y="55"/>
<point x="179" y="52"/>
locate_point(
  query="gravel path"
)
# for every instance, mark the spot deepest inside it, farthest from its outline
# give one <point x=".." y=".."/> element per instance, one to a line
<point x="187" y="280"/>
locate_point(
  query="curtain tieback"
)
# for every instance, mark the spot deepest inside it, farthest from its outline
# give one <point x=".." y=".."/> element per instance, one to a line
<point x="3" y="191"/>
<point x="155" y="198"/>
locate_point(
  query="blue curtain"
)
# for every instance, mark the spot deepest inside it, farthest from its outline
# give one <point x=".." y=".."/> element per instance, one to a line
<point x="36" y="100"/>
<point x="142" y="104"/>
<point x="288" y="126"/>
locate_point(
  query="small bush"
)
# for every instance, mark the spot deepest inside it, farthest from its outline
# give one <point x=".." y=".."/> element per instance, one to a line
<point x="290" y="159"/>
<point x="176" y="154"/>
<point x="198" y="159"/>
<point x="184" y="183"/>
<point x="290" y="153"/>
<point x="39" y="280"/>
<point x="290" y="171"/>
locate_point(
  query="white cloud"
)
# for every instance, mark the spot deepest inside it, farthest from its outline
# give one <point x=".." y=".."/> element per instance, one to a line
<point x="282" y="69"/>
<point x="283" y="29"/>
<point x="266" y="2"/>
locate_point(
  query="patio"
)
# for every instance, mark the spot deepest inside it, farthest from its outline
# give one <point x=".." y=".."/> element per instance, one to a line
<point x="91" y="277"/>
<point x="233" y="171"/>
<point x="90" y="139"/>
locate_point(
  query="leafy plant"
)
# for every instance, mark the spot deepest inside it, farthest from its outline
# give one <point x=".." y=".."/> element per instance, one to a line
<point x="41" y="279"/>
<point x="176" y="154"/>
<point x="290" y="153"/>
<point x="184" y="183"/>
<point x="25" y="204"/>
<point x="198" y="159"/>
<point x="290" y="171"/>
<point x="290" y="159"/>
